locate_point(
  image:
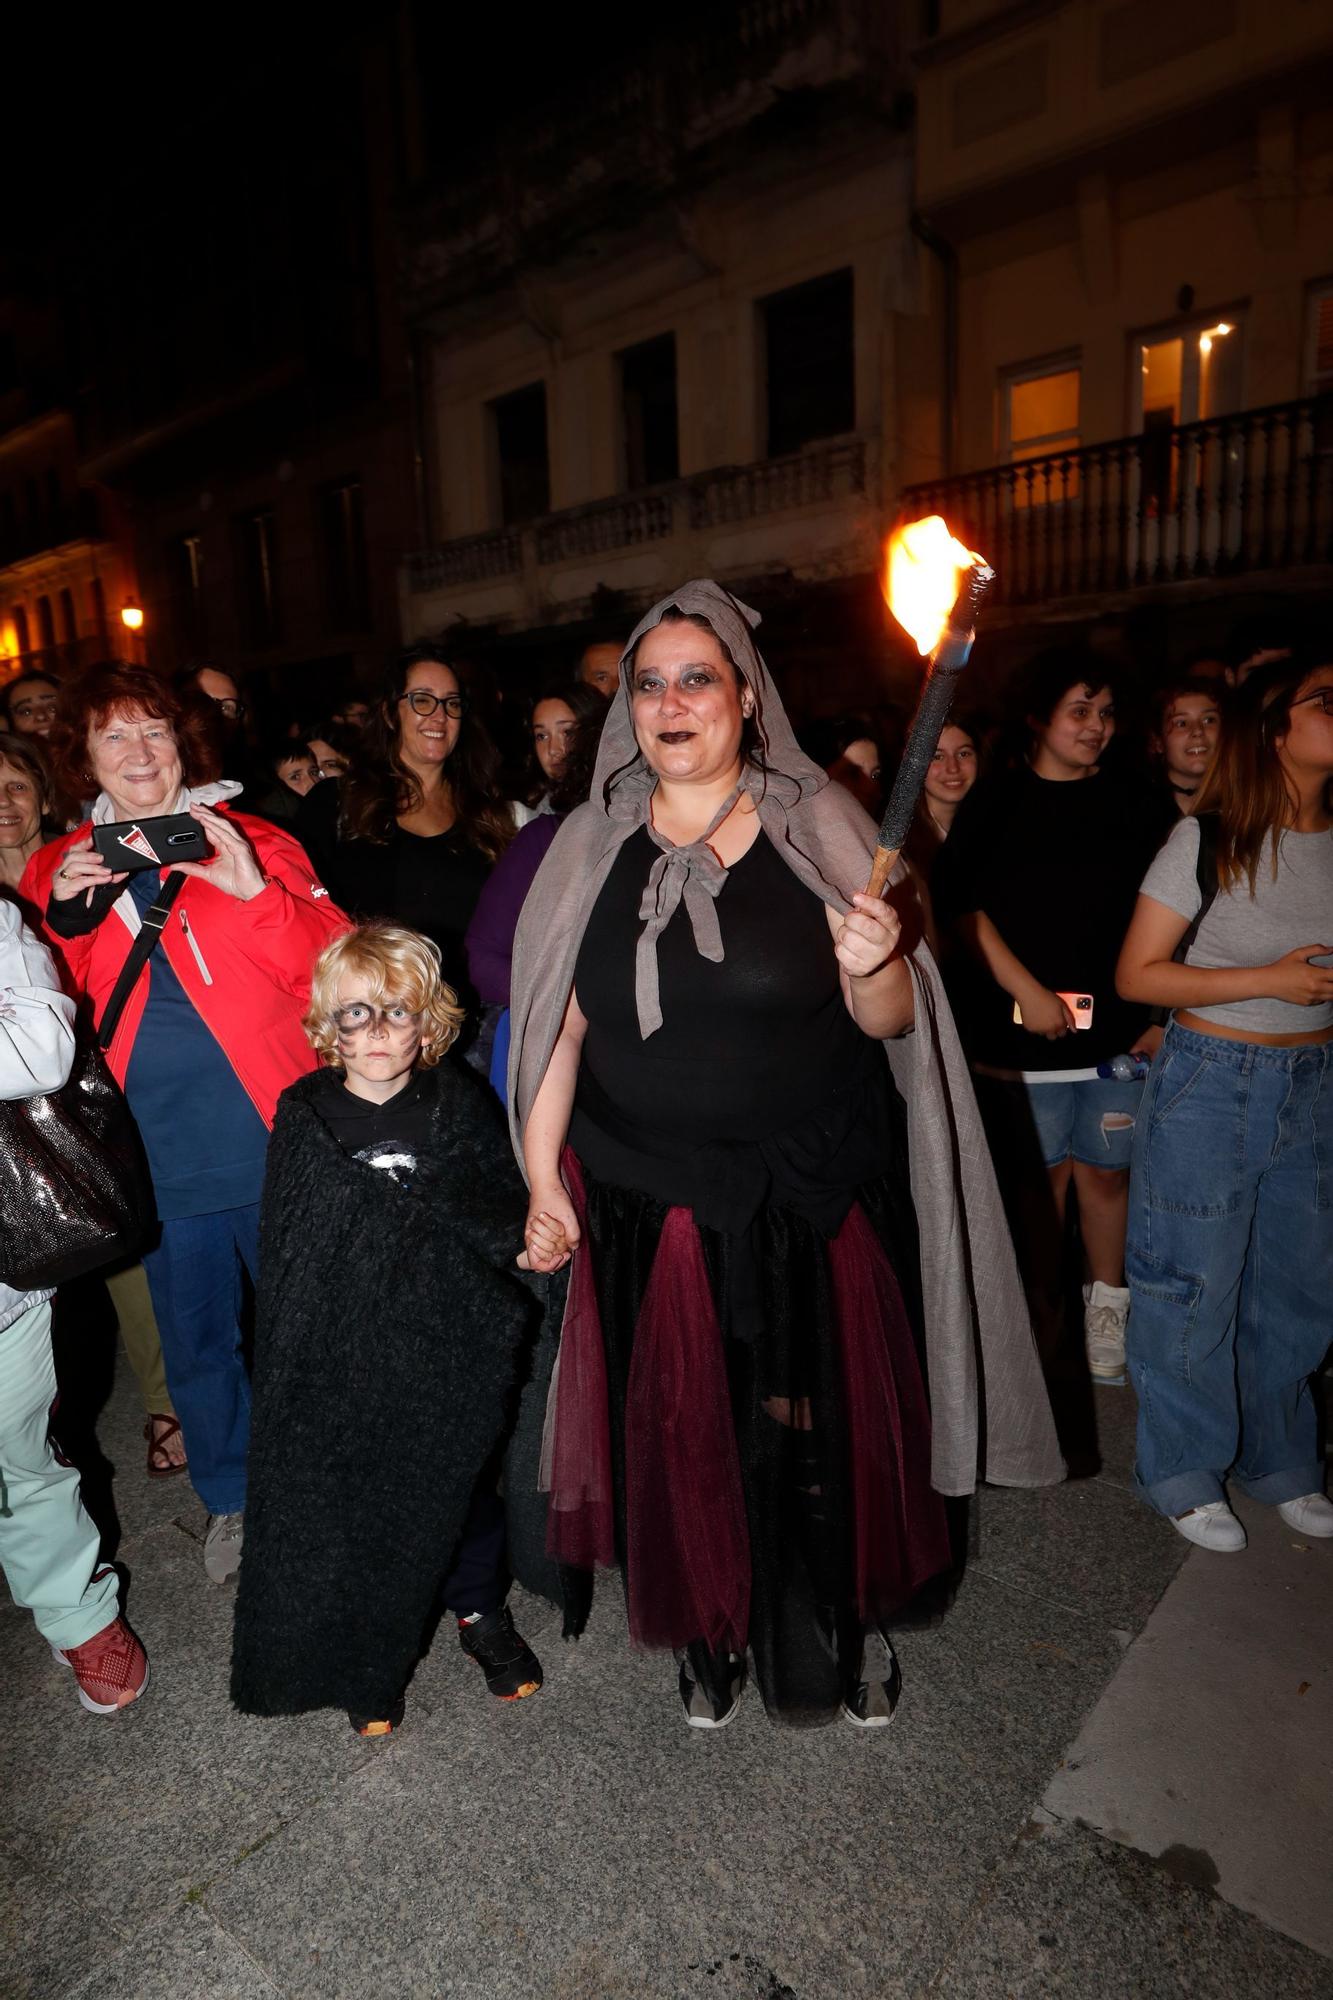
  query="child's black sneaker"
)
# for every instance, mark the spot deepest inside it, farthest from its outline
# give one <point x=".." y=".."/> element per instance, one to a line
<point x="379" y="1725"/>
<point x="511" y="1667"/>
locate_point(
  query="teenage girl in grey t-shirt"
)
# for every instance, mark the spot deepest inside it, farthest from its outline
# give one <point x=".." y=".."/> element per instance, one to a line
<point x="1229" y="1256"/>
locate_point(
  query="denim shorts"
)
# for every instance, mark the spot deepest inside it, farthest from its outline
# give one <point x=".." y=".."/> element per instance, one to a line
<point x="1093" y="1120"/>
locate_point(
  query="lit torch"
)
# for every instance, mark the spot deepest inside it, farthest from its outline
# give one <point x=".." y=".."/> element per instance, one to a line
<point x="935" y="588"/>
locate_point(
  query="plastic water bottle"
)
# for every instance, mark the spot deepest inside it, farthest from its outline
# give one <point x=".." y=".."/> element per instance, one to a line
<point x="1123" y="1069"/>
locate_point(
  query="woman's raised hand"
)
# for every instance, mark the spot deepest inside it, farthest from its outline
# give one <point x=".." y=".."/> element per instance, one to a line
<point x="1294" y="979"/>
<point x="868" y="938"/>
<point x="551" y="1233"/>
<point x="81" y="869"/>
<point x="235" y="867"/>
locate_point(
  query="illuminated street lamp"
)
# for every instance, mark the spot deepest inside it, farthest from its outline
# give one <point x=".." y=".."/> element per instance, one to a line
<point x="131" y="615"/>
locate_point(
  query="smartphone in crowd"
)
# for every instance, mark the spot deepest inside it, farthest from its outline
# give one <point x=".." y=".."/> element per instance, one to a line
<point x="127" y="845"/>
<point x="1079" y="1005"/>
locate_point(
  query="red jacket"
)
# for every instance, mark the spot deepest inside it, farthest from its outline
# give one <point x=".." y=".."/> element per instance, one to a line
<point x="245" y="966"/>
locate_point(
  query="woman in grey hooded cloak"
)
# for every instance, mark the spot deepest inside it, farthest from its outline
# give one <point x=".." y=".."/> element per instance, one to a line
<point x="738" y="1416"/>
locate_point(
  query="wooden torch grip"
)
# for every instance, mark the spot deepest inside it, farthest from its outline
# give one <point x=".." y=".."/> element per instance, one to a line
<point x="881" y="870"/>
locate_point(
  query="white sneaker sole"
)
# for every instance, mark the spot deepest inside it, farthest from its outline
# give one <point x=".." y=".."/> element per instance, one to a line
<point x="1211" y="1548"/>
<point x="718" y="1722"/>
<point x="866" y="1721"/>
<point x="103" y="1707"/>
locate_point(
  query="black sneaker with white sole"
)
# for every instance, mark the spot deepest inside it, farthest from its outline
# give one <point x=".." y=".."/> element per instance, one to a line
<point x="870" y="1699"/>
<point x="711" y="1685"/>
<point x="511" y="1667"/>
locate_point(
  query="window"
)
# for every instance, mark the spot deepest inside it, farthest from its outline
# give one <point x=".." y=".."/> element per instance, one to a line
<point x="343" y="535"/>
<point x="518" y="427"/>
<point x="1039" y="418"/>
<point x="185" y="562"/>
<point x="1183" y="376"/>
<point x="98" y="597"/>
<point x="651" y="452"/>
<point x="46" y="624"/>
<point x="22" y="636"/>
<point x="809" y="355"/>
<point x="1319" y="341"/>
<point x="69" y="624"/>
<point x="257" y="538"/>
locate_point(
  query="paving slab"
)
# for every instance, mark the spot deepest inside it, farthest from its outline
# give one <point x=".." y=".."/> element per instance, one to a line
<point x="183" y="1957"/>
<point x="1215" y="1740"/>
<point x="1090" y="1545"/>
<point x="48" y="1938"/>
<point x="1073" y="1915"/>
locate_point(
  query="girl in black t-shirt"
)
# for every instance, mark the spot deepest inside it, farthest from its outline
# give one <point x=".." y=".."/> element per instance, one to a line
<point x="1040" y="874"/>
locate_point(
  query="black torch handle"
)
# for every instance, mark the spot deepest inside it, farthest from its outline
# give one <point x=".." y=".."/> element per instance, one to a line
<point x="932" y="712"/>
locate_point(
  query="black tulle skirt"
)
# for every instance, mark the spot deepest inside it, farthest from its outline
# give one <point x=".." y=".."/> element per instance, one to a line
<point x="739" y="1421"/>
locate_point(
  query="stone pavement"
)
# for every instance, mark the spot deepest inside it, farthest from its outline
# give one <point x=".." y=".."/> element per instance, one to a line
<point x="585" y="1845"/>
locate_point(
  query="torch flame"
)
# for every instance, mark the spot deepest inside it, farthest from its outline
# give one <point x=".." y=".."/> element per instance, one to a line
<point x="926" y="567"/>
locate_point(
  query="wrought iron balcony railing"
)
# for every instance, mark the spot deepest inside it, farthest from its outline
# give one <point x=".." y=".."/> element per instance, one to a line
<point x="1224" y="497"/>
<point x="821" y="475"/>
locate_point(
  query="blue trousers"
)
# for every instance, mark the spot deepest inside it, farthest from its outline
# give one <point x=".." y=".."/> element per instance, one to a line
<point x="1229" y="1259"/>
<point x="194" y="1275"/>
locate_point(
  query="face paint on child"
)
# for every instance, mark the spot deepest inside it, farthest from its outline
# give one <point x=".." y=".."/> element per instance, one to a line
<point x="379" y="1039"/>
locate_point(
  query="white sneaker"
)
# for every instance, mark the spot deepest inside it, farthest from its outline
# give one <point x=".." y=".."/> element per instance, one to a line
<point x="1312" y="1514"/>
<point x="1212" y="1526"/>
<point x="1105" y="1311"/>
<point x="222" y="1546"/>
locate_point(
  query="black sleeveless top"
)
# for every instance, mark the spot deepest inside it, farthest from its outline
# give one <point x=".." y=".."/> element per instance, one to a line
<point x="758" y="1086"/>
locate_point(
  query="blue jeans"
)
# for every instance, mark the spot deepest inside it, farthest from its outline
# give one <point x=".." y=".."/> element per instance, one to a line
<point x="194" y="1275"/>
<point x="1092" y="1120"/>
<point x="1229" y="1259"/>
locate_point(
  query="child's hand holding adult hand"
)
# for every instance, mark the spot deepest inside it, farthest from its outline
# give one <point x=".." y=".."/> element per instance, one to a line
<point x="551" y="1233"/>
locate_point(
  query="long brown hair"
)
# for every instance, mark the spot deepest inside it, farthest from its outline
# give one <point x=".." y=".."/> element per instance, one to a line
<point x="380" y="788"/>
<point x="1245" y="784"/>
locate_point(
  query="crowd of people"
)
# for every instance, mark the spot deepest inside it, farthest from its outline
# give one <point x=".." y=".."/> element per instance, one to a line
<point x="809" y="1172"/>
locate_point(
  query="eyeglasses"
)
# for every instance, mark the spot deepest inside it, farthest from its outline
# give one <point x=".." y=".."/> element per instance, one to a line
<point x="359" y="1014"/>
<point x="422" y="702"/>
<point x="1324" y="696"/>
<point x="233" y="710"/>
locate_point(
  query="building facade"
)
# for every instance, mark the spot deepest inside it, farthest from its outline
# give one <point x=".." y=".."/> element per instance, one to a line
<point x="1134" y="208"/>
<point x="666" y="342"/>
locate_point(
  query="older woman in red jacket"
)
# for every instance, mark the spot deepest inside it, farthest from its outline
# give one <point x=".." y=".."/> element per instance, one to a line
<point x="208" y="1038"/>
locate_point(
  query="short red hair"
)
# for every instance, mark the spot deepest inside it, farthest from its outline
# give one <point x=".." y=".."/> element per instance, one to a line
<point x="110" y="688"/>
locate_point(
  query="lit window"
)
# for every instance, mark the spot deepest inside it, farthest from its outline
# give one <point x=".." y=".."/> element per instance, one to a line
<point x="1319" y="342"/>
<point x="1040" y="415"/>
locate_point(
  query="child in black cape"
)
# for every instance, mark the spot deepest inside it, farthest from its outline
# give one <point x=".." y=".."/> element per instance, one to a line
<point x="389" y="1331"/>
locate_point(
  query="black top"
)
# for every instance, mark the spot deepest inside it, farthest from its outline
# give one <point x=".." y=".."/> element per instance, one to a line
<point x="394" y="1136"/>
<point x="758" y="1085"/>
<point x="430" y="882"/>
<point x="1056" y="866"/>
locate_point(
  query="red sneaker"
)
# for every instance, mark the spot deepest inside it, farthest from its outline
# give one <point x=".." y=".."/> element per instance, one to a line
<point x="110" y="1668"/>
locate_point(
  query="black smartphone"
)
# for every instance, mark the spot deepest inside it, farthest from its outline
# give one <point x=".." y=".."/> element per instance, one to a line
<point x="130" y="844"/>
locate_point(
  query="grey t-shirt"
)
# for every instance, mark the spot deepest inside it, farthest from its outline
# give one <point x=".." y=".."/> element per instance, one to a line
<point x="1241" y="929"/>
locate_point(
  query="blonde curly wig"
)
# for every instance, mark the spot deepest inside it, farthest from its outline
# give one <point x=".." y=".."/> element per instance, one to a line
<point x="401" y="967"/>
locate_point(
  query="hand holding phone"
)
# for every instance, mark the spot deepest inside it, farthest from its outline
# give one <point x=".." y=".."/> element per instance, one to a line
<point x="130" y="845"/>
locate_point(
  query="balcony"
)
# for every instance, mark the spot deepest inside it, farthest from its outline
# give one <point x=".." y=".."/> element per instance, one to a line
<point x="811" y="513"/>
<point x="1185" y="507"/>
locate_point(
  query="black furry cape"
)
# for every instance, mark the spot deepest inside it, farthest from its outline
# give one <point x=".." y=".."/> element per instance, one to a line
<point x="390" y="1329"/>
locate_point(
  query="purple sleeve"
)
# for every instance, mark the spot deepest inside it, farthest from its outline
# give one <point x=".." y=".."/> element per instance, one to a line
<point x="490" y="936"/>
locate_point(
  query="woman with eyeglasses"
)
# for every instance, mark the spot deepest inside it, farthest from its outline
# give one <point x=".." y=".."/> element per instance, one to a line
<point x="412" y="831"/>
<point x="1230" y="1247"/>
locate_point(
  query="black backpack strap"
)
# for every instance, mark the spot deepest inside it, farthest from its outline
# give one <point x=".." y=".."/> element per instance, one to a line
<point x="142" y="949"/>
<point x="1205" y="874"/>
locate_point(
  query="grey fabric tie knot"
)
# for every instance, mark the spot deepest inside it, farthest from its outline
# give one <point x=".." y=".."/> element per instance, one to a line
<point x="696" y="874"/>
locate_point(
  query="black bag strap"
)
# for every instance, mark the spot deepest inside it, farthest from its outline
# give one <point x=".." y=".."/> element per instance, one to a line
<point x="142" y="949"/>
<point x="1205" y="874"/>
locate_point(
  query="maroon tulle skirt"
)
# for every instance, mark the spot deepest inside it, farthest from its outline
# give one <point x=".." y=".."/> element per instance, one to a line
<point x="742" y="1426"/>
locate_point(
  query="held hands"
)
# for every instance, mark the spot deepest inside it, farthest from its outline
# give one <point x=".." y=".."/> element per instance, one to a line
<point x="1294" y="979"/>
<point x="1045" y="1013"/>
<point x="235" y="867"/>
<point x="82" y="869"/>
<point x="551" y="1231"/>
<point x="1148" y="1043"/>
<point x="868" y="938"/>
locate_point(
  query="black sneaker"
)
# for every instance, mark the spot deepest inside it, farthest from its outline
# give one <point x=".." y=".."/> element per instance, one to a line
<point x="511" y="1667"/>
<point x="379" y="1725"/>
<point x="869" y="1701"/>
<point x="711" y="1685"/>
